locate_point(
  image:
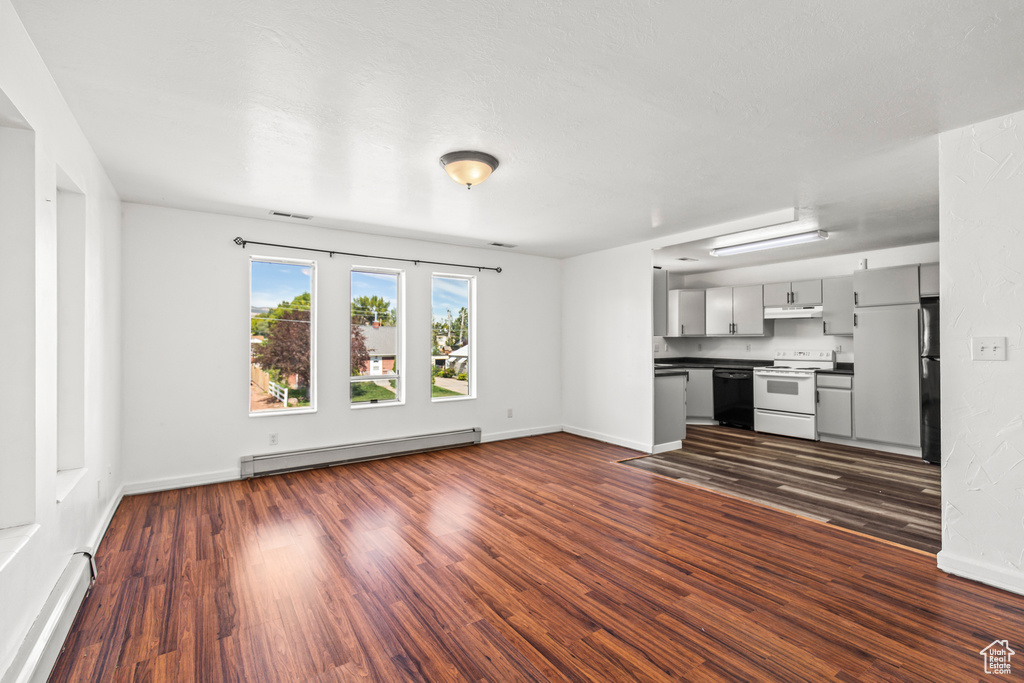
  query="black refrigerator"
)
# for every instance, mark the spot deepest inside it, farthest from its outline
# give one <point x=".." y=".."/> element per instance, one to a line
<point x="931" y="431"/>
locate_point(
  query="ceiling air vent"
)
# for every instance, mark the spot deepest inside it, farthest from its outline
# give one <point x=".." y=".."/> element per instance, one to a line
<point x="282" y="214"/>
<point x="503" y="246"/>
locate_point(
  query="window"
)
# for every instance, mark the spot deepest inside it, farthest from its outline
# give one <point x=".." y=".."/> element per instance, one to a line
<point x="281" y="338"/>
<point x="451" y="303"/>
<point x="375" y="328"/>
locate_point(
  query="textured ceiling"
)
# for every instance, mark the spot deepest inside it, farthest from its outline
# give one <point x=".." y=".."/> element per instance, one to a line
<point x="614" y="120"/>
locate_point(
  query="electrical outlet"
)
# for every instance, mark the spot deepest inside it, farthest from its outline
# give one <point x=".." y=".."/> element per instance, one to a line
<point x="700" y="347"/>
<point x="272" y="439"/>
<point x="748" y="347"/>
<point x="657" y="347"/>
<point x="988" y="348"/>
<point x="510" y="412"/>
<point x="839" y="348"/>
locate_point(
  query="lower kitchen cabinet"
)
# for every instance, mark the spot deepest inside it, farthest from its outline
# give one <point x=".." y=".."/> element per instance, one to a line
<point x="835" y="405"/>
<point x="700" y="397"/>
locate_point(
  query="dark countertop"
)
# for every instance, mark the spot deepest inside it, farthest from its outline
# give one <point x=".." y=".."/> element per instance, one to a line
<point x="841" y="369"/>
<point x="726" y="363"/>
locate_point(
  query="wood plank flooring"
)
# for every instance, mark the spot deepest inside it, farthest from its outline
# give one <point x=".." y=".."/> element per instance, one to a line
<point x="538" y="559"/>
<point x="884" y="495"/>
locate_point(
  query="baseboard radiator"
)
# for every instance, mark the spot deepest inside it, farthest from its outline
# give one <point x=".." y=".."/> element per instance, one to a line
<point x="38" y="652"/>
<point x="290" y="461"/>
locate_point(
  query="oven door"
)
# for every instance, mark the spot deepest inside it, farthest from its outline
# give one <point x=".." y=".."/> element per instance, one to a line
<point x="789" y="392"/>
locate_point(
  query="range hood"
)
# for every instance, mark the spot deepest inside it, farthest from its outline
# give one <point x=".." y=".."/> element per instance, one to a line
<point x="781" y="312"/>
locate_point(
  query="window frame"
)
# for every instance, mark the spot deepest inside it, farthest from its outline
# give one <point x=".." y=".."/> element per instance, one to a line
<point x="313" y="318"/>
<point x="399" y="377"/>
<point x="472" y="362"/>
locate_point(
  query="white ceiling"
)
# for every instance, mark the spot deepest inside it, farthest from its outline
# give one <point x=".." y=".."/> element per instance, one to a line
<point x="615" y="121"/>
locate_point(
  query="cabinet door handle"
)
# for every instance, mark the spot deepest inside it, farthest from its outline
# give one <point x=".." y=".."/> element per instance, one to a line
<point x="855" y="302"/>
<point x="855" y="320"/>
<point x="792" y="297"/>
<point x="824" y="327"/>
<point x="817" y="396"/>
<point x="681" y="328"/>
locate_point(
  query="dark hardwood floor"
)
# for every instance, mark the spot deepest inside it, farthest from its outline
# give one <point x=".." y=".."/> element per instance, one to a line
<point x="884" y="495"/>
<point x="537" y="559"/>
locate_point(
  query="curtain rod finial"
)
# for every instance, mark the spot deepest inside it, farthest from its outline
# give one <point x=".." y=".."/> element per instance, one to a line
<point x="240" y="242"/>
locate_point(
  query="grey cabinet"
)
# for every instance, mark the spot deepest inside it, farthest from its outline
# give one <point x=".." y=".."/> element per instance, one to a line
<point x="798" y="293"/>
<point x="929" y="279"/>
<point x="886" y="286"/>
<point x="735" y="311"/>
<point x="835" y="405"/>
<point x="686" y="317"/>
<point x="837" y="305"/>
<point x="669" y="408"/>
<point x="700" y="397"/>
<point x="887" y="403"/>
<point x="659" y="302"/>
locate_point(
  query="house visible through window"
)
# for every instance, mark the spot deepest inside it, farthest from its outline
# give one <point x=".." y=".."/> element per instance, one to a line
<point x="281" y="339"/>
<point x="452" y="337"/>
<point x="375" y="326"/>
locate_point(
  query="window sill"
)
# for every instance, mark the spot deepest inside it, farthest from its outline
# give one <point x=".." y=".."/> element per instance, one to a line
<point x="446" y="399"/>
<point x="13" y="539"/>
<point x="283" y="411"/>
<point x="381" y="404"/>
<point x="67" y="480"/>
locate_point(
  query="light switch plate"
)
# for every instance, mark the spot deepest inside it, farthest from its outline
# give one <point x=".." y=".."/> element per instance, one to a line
<point x="988" y="348"/>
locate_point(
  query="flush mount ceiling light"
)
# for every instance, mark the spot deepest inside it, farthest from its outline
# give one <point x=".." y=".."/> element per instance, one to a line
<point x="773" y="243"/>
<point x="467" y="167"/>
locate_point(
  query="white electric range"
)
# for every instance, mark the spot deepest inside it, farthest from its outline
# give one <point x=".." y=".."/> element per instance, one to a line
<point x="785" y="397"/>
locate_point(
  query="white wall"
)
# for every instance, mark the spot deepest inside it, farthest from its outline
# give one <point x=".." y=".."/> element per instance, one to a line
<point x="607" y="380"/>
<point x="186" y="327"/>
<point x="788" y="334"/>
<point x="30" y="99"/>
<point x="982" y="294"/>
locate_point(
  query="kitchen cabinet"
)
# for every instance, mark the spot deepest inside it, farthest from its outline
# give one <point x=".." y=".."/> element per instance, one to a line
<point x="700" y="397"/>
<point x="835" y="405"/>
<point x="686" y="315"/>
<point x="929" y="279"/>
<point x="735" y="311"/>
<point x="659" y="302"/>
<point x="887" y="403"/>
<point x="886" y="286"/>
<point x="837" y="305"/>
<point x="669" y="407"/>
<point x="800" y="293"/>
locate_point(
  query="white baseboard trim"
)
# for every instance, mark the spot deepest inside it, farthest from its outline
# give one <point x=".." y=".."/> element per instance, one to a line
<point x="1000" y="577"/>
<point x="104" y="521"/>
<point x="608" y="438"/>
<point x="520" y="433"/>
<point x="171" y="483"/>
<point x="665" y="447"/>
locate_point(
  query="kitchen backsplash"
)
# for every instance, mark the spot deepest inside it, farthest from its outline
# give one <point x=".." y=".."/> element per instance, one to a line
<point x="789" y="335"/>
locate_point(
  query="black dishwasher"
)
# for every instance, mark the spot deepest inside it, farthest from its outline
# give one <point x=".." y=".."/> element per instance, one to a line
<point x="734" y="397"/>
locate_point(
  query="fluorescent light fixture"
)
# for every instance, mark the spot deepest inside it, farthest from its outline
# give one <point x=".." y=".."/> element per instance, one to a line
<point x="788" y="240"/>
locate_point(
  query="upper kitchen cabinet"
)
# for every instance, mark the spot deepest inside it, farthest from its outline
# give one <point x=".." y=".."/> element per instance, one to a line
<point x="929" y="279"/>
<point x="659" y="304"/>
<point x="886" y="286"/>
<point x="837" y="305"/>
<point x="801" y="293"/>
<point x="735" y="311"/>
<point x="686" y="314"/>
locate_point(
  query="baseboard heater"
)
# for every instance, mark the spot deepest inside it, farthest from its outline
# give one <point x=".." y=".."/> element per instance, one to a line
<point x="290" y="461"/>
<point x="38" y="653"/>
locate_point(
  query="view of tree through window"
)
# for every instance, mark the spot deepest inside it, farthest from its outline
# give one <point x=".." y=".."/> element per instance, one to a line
<point x="450" y="336"/>
<point x="280" y="335"/>
<point x="374" y="372"/>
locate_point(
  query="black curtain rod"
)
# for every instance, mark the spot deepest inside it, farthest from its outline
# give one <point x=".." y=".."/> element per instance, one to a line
<point x="242" y="242"/>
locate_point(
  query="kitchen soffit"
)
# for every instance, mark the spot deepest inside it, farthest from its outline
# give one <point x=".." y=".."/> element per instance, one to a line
<point x="614" y="122"/>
